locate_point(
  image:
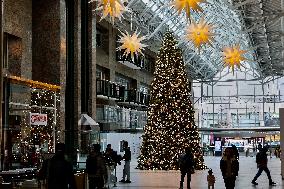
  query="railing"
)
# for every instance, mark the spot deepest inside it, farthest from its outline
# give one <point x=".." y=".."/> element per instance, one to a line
<point x="115" y="117"/>
<point x="113" y="90"/>
<point x="109" y="89"/>
<point x="136" y="61"/>
<point x="144" y="62"/>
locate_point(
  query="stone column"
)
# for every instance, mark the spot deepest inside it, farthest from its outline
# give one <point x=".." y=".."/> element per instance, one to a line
<point x="112" y="54"/>
<point x="72" y="93"/>
<point x="92" y="58"/>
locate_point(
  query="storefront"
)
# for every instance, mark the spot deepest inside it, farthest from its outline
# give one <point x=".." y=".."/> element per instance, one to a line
<point x="31" y="121"/>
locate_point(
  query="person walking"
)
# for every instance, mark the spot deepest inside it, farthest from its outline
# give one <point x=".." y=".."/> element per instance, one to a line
<point x="110" y="158"/>
<point x="127" y="159"/>
<point x="261" y="160"/>
<point x="59" y="171"/>
<point x="186" y="164"/>
<point x="277" y="151"/>
<point x="210" y="179"/>
<point x="229" y="166"/>
<point x="96" y="168"/>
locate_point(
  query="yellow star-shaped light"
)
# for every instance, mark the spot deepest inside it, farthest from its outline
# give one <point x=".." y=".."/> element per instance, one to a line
<point x="131" y="44"/>
<point x="233" y="56"/>
<point x="200" y="33"/>
<point x="188" y="5"/>
<point x="113" y="8"/>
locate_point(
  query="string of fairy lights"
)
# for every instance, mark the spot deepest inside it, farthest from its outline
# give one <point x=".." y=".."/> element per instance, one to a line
<point x="41" y="98"/>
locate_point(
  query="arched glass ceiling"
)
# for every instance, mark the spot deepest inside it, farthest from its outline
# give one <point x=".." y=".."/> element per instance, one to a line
<point x="157" y="16"/>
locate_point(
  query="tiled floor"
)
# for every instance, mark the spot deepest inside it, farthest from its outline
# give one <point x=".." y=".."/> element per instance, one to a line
<point x="170" y="179"/>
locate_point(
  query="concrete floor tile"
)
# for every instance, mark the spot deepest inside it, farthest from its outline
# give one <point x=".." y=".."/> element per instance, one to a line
<point x="170" y="179"/>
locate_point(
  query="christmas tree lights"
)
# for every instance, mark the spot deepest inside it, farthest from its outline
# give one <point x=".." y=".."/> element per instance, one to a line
<point x="170" y="126"/>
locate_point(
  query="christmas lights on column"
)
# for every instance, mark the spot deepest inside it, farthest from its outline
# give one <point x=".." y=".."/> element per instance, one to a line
<point x="170" y="125"/>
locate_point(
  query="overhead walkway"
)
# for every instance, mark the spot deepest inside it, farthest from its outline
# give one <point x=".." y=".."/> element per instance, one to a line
<point x="214" y="130"/>
<point x="256" y="129"/>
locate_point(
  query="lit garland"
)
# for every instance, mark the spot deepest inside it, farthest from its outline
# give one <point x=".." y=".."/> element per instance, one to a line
<point x="200" y="33"/>
<point x="233" y="56"/>
<point x="34" y="84"/>
<point x="131" y="44"/>
<point x="113" y="8"/>
<point x="187" y="5"/>
<point x="170" y="127"/>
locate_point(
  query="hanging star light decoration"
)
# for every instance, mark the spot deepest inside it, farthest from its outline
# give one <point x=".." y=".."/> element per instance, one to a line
<point x="200" y="33"/>
<point x="113" y="8"/>
<point x="131" y="44"/>
<point x="188" y="5"/>
<point x="233" y="56"/>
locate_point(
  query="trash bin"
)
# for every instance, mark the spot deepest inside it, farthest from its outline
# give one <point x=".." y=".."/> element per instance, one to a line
<point x="6" y="185"/>
<point x="80" y="180"/>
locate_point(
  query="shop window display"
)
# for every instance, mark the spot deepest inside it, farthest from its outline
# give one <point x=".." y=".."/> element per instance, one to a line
<point x="32" y="125"/>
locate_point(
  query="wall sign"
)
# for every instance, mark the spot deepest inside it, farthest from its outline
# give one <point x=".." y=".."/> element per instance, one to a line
<point x="38" y="119"/>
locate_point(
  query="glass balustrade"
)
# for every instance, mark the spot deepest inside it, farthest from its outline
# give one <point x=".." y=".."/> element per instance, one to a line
<point x="118" y="92"/>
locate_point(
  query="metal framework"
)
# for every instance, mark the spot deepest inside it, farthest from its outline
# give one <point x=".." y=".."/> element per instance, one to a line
<point x="255" y="25"/>
<point x="263" y="21"/>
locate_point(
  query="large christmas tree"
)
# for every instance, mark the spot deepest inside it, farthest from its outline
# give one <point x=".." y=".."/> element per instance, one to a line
<point x="170" y="127"/>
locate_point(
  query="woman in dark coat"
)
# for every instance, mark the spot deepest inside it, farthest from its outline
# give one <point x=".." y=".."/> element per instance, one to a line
<point x="229" y="166"/>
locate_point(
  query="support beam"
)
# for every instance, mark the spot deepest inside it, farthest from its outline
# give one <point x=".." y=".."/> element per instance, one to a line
<point x="70" y="82"/>
<point x="85" y="64"/>
<point x="1" y="82"/>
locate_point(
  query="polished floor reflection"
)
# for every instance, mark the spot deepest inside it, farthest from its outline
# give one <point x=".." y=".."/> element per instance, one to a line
<point x="170" y="179"/>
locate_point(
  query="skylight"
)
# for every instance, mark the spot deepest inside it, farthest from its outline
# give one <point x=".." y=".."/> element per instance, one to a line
<point x="228" y="30"/>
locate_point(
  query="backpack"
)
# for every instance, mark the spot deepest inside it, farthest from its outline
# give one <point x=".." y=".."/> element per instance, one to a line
<point x="186" y="161"/>
<point x="258" y="158"/>
<point x="91" y="165"/>
<point x="60" y="174"/>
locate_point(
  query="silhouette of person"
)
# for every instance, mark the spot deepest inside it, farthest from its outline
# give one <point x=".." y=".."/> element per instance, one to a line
<point x="186" y="166"/>
<point x="210" y="179"/>
<point x="229" y="166"/>
<point x="59" y="170"/>
<point x="261" y="160"/>
<point x="127" y="159"/>
<point x="96" y="168"/>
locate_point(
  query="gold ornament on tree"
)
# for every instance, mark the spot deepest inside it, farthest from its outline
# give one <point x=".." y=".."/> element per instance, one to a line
<point x="233" y="56"/>
<point x="187" y="5"/>
<point x="131" y="44"/>
<point x="113" y="8"/>
<point x="200" y="33"/>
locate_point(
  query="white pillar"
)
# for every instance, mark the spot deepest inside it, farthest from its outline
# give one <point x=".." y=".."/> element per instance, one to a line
<point x="281" y="115"/>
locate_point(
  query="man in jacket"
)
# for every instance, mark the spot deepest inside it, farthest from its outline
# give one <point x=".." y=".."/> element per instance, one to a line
<point x="96" y="168"/>
<point x="229" y="166"/>
<point x="59" y="171"/>
<point x="261" y="160"/>
<point x="127" y="159"/>
<point x="186" y="164"/>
